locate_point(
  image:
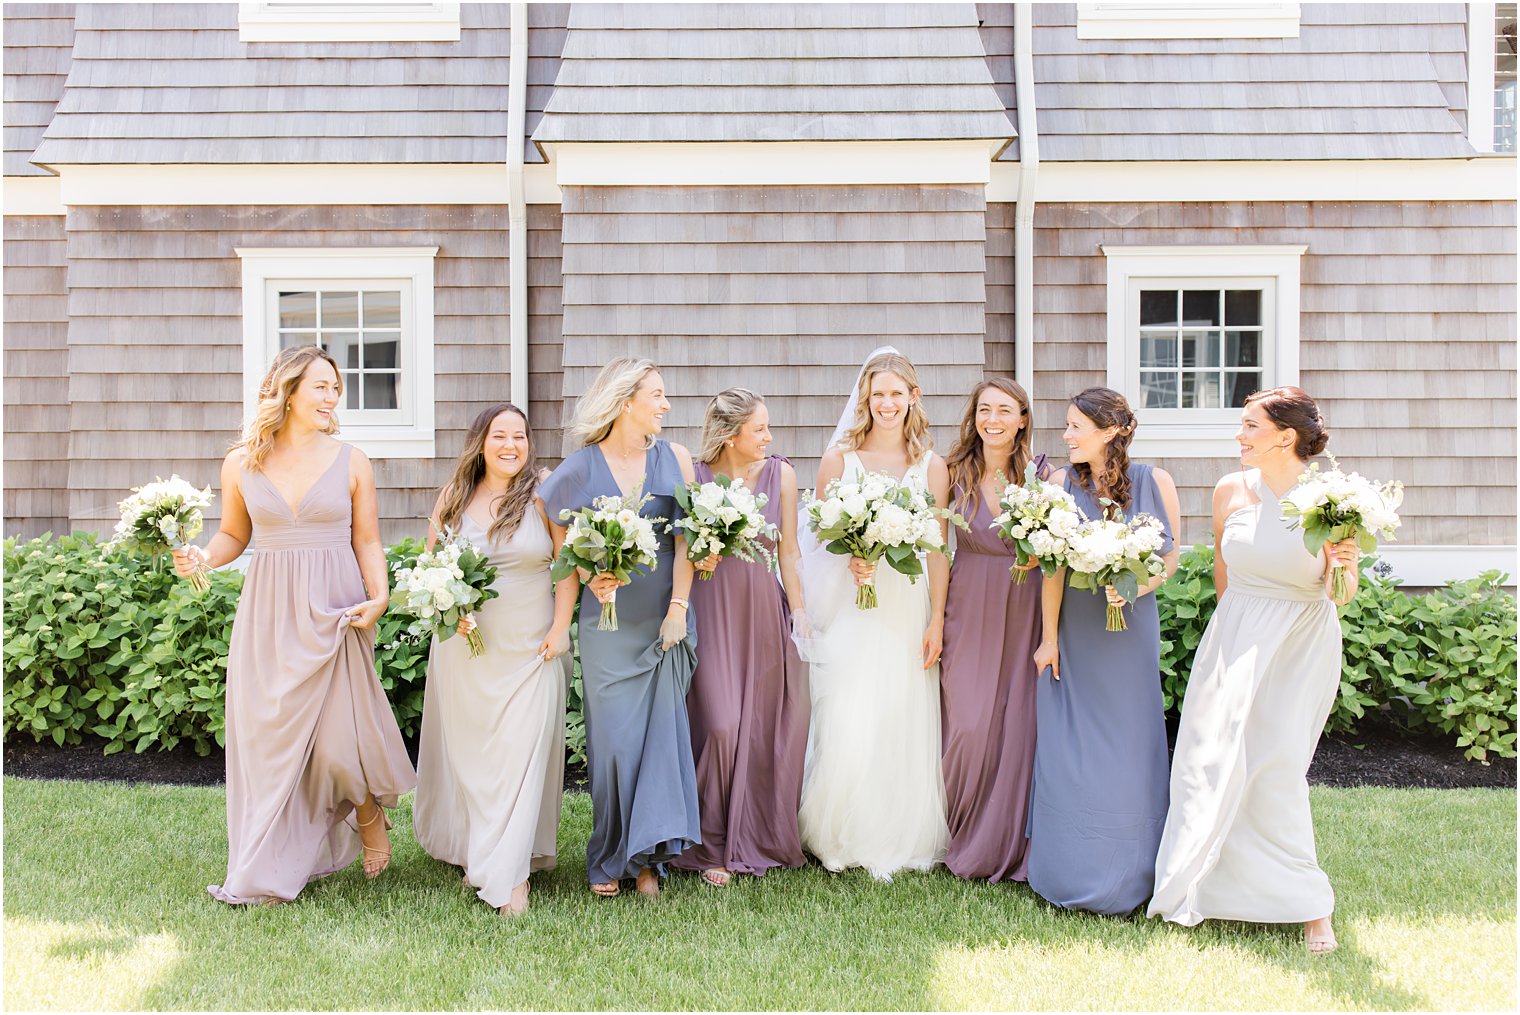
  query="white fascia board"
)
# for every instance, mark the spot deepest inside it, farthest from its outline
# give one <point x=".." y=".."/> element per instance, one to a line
<point x="774" y="163"/>
<point x="386" y="184"/>
<point x="33" y="195"/>
<point x="1438" y="565"/>
<point x="1489" y="178"/>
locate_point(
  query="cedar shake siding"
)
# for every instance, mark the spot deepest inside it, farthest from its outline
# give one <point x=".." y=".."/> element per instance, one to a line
<point x="1362" y="81"/>
<point x="997" y="45"/>
<point x="784" y="290"/>
<point x="36" y="377"/>
<point x="1407" y="340"/>
<point x="38" y="38"/>
<point x="546" y="39"/>
<point x="156" y="342"/>
<point x="545" y="338"/>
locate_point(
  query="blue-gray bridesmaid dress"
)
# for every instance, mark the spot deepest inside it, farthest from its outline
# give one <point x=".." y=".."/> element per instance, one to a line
<point x="1099" y="797"/>
<point x="638" y="739"/>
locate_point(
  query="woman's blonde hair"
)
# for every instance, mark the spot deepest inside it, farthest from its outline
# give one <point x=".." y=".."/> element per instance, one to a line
<point x="470" y="469"/>
<point x="275" y="391"/>
<point x="915" y="423"/>
<point x="600" y="406"/>
<point x="726" y="415"/>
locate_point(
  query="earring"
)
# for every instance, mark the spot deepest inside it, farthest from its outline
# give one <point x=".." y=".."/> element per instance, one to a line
<point x="730" y="443"/>
<point x="287" y="406"/>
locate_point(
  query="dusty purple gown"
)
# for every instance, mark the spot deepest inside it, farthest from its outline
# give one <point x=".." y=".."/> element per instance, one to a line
<point x="987" y="695"/>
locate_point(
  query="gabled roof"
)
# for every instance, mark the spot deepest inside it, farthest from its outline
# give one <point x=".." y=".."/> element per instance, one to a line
<point x="171" y="83"/>
<point x="38" y="38"/>
<point x="773" y="72"/>
<point x="1362" y="81"/>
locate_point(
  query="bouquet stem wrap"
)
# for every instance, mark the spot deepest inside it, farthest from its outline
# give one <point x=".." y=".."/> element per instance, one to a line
<point x="608" y="619"/>
<point x="865" y="595"/>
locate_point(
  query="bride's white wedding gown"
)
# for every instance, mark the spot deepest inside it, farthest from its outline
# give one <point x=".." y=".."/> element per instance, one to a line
<point x="873" y="795"/>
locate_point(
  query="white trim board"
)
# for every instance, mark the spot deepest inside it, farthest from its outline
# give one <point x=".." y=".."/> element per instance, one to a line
<point x="1187" y="21"/>
<point x="33" y="195"/>
<point x="1490" y="178"/>
<point x="1480" y="76"/>
<point x="1438" y="565"/>
<point x="388" y="184"/>
<point x="348" y="22"/>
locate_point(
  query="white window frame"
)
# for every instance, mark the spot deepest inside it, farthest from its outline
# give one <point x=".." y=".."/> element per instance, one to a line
<point x="1480" y="76"/>
<point x="1187" y="21"/>
<point x="332" y="267"/>
<point x="1198" y="433"/>
<point x="348" y="22"/>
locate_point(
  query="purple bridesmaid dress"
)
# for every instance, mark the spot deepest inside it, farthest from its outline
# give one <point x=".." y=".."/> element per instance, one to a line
<point x="749" y="710"/>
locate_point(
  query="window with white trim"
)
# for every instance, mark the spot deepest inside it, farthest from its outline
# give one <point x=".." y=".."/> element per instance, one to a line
<point x="1504" y="77"/>
<point x="1187" y="21"/>
<point x="372" y="309"/>
<point x="1192" y="331"/>
<point x="348" y="22"/>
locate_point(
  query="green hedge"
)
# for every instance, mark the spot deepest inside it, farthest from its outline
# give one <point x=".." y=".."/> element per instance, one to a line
<point x="98" y="642"/>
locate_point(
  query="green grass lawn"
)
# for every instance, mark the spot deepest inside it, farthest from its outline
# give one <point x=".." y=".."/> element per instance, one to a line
<point x="105" y="907"/>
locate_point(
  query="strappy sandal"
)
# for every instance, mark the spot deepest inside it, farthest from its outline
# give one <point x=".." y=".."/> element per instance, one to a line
<point x="607" y="889"/>
<point x="718" y="877"/>
<point x="374" y="864"/>
<point x="1320" y="944"/>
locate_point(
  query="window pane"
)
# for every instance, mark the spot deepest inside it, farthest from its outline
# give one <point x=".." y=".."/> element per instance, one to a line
<point x="344" y="346"/>
<point x="380" y="354"/>
<point x="1158" y="307"/>
<point x="298" y="310"/>
<point x="382" y="310"/>
<point x="352" y="391"/>
<point x="1159" y="390"/>
<point x="340" y="310"/>
<point x="292" y="339"/>
<point x="1158" y="351"/>
<point x="380" y="391"/>
<point x="1242" y="348"/>
<point x="1242" y="306"/>
<point x="1240" y="383"/>
<point x="1200" y="390"/>
<point x="1200" y="307"/>
<point x="1200" y="348"/>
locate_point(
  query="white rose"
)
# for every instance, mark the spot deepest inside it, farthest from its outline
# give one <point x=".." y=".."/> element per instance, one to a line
<point x="854" y="505"/>
<point x="443" y="599"/>
<point x="829" y="513"/>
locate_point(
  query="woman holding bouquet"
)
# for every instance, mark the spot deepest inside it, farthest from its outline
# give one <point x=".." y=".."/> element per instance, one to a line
<point x="872" y="793"/>
<point x="635" y="678"/>
<point x="313" y="751"/>
<point x="1239" y="840"/>
<point x="1100" y="763"/>
<point x="749" y="695"/>
<point x="992" y="625"/>
<point x="491" y="765"/>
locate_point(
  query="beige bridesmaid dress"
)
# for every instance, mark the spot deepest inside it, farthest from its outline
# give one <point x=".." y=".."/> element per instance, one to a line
<point x="310" y="733"/>
<point x="1239" y="838"/>
<point x="491" y="767"/>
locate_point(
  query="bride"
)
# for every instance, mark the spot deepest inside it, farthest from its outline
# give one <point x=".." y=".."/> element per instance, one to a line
<point x="872" y="794"/>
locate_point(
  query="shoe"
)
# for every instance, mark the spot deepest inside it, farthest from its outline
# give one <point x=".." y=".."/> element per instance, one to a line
<point x="607" y="889"/>
<point x="718" y="877"/>
<point x="1320" y="944"/>
<point x="374" y="860"/>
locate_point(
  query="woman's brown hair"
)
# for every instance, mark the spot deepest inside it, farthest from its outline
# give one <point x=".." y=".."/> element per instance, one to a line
<point x="470" y="469"/>
<point x="967" y="459"/>
<point x="1291" y="408"/>
<point x="1107" y="408"/>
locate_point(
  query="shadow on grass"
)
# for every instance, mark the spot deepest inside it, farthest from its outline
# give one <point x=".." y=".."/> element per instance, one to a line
<point x="115" y="865"/>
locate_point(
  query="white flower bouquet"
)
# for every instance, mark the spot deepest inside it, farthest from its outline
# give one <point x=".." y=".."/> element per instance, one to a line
<point x="1037" y="518"/>
<point x="724" y="517"/>
<point x="1332" y="506"/>
<point x="445" y="585"/>
<point x="879" y="518"/>
<point x="1117" y="553"/>
<point x="162" y="516"/>
<point x="609" y="537"/>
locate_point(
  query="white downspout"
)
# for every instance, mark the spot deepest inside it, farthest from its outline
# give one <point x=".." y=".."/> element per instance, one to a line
<point x="517" y="208"/>
<point x="1023" y="214"/>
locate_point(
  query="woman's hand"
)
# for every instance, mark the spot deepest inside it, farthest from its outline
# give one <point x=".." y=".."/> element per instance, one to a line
<point x="466" y="624"/>
<point x="708" y="563"/>
<point x="863" y="570"/>
<point x="1034" y="562"/>
<point x="673" y="629"/>
<point x="1346" y="552"/>
<point x="1114" y="599"/>
<point x="934" y="643"/>
<point x="188" y="559"/>
<point x="604" y="585"/>
<point x="1048" y="654"/>
<point x="555" y="644"/>
<point x="363" y="616"/>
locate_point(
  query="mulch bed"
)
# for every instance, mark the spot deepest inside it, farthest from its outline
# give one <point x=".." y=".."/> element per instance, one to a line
<point x="1377" y="755"/>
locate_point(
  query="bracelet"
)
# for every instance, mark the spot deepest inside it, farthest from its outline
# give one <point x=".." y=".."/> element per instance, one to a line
<point x="678" y="601"/>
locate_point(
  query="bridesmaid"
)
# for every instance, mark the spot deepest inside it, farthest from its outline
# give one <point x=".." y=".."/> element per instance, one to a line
<point x="491" y="765"/>
<point x="1239" y="839"/>
<point x="987" y="675"/>
<point x="311" y="739"/>
<point x="1100" y="764"/>
<point x="749" y="696"/>
<point x="638" y="739"/>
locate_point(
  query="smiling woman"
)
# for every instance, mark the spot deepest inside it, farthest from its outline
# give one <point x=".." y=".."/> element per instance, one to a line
<point x="311" y="738"/>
